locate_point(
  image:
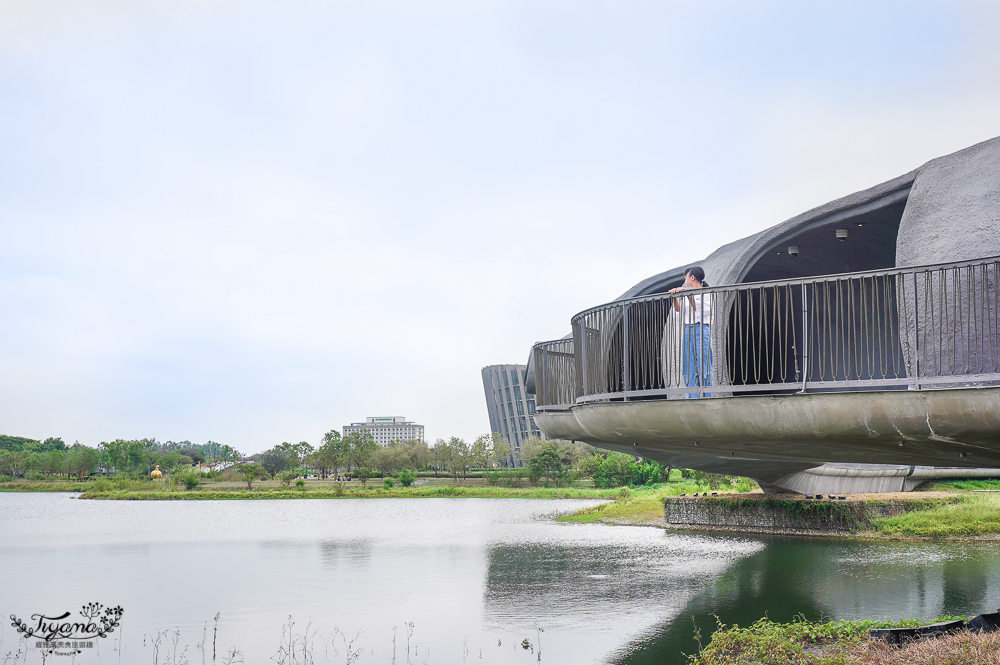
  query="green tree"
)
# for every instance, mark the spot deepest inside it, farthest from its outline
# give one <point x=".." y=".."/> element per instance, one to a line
<point x="615" y="471"/>
<point x="589" y="466"/>
<point x="499" y="449"/>
<point x="194" y="453"/>
<point x="480" y="451"/>
<point x="275" y="460"/>
<point x="418" y="455"/>
<point x="251" y="471"/>
<point x="460" y="457"/>
<point x="14" y="443"/>
<point x="296" y="453"/>
<point x="129" y="456"/>
<point x="331" y="454"/>
<point x="388" y="459"/>
<point x="547" y="463"/>
<point x="81" y="461"/>
<point x="407" y="476"/>
<point x="360" y="446"/>
<point x="363" y="473"/>
<point x="8" y="463"/>
<point x="286" y="477"/>
<point x="53" y="443"/>
<point x="53" y="461"/>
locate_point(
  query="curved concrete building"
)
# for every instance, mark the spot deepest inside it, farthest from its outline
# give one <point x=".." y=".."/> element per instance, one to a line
<point x="854" y="347"/>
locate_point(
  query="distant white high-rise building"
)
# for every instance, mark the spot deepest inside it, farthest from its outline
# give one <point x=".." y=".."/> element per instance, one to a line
<point x="511" y="409"/>
<point x="386" y="429"/>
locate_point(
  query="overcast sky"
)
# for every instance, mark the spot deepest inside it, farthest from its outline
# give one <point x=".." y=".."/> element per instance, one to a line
<point x="253" y="222"/>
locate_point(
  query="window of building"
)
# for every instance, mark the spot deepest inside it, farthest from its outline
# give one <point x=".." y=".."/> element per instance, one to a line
<point x="513" y="377"/>
<point x="531" y="406"/>
<point x="517" y="393"/>
<point x="505" y="378"/>
<point x="520" y="408"/>
<point x="523" y="425"/>
<point x="508" y="393"/>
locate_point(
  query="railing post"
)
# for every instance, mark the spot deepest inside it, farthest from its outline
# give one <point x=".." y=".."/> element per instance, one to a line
<point x="583" y="357"/>
<point x="916" y="334"/>
<point x="626" y="357"/>
<point x="805" y="336"/>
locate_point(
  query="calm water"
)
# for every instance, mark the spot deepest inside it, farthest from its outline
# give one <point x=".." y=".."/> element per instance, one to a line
<point x="469" y="579"/>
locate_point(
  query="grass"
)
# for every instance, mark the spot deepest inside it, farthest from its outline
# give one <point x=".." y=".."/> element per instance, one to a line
<point x="972" y="515"/>
<point x="45" y="486"/>
<point x="356" y="493"/>
<point x="645" y="506"/>
<point x="842" y="643"/>
<point x="969" y="514"/>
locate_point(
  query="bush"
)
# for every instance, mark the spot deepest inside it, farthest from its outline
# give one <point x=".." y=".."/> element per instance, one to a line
<point x="388" y="484"/>
<point x="338" y="488"/>
<point x="191" y="481"/>
<point x="300" y="484"/>
<point x="512" y="477"/>
<point x="286" y="477"/>
<point x="407" y="476"/>
<point x="493" y="478"/>
<point x="615" y="471"/>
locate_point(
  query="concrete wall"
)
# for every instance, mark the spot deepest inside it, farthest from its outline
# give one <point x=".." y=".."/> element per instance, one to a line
<point x="772" y="515"/>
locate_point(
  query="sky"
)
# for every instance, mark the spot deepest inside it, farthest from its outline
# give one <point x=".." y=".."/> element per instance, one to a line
<point x="256" y="221"/>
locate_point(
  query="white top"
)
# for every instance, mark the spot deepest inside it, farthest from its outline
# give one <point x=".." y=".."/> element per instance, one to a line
<point x="702" y="310"/>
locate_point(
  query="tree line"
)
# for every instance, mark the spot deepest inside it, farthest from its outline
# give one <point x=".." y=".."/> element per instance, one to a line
<point x="355" y="455"/>
<point x="22" y="457"/>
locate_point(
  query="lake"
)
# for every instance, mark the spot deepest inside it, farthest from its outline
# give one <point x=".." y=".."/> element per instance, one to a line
<point x="439" y="580"/>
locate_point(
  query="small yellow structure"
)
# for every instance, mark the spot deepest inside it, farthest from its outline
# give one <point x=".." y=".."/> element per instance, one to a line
<point x="156" y="473"/>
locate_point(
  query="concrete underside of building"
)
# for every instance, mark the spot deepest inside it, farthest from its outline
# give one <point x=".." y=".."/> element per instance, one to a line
<point x="947" y="210"/>
<point x="870" y="441"/>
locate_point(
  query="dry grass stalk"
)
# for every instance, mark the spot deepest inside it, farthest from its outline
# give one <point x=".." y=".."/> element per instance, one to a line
<point x="962" y="648"/>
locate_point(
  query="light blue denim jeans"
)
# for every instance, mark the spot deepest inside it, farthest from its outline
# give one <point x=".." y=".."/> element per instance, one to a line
<point x="697" y="357"/>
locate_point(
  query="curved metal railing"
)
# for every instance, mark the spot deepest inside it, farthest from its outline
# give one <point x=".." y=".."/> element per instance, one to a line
<point x="556" y="385"/>
<point x="900" y="328"/>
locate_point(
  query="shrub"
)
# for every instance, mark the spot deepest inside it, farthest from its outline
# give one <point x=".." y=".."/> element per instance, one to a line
<point x="512" y="477"/>
<point x="338" y="488"/>
<point x="624" y="495"/>
<point x="191" y="481"/>
<point x="286" y="477"/>
<point x="387" y="483"/>
<point x="493" y="478"/>
<point x="615" y="471"/>
<point x="300" y="484"/>
<point x="407" y="476"/>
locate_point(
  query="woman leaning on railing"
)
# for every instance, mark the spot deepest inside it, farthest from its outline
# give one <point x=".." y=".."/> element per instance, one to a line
<point x="696" y="316"/>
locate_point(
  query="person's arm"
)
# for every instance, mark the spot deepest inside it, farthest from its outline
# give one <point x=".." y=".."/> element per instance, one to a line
<point x="676" y="301"/>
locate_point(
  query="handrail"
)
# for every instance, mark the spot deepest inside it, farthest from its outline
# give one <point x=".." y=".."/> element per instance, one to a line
<point x="891" y="329"/>
<point x="555" y="374"/>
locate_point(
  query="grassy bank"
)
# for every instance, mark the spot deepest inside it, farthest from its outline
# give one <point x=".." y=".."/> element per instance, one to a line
<point x="843" y="643"/>
<point x="446" y="491"/>
<point x="967" y="513"/>
<point x="974" y="514"/>
<point x="46" y="486"/>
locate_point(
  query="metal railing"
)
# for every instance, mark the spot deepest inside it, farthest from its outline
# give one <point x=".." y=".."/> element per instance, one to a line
<point x="901" y="328"/>
<point x="556" y="384"/>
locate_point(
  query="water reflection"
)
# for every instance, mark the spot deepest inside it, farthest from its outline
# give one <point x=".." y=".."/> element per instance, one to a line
<point x="577" y="584"/>
<point x="829" y="579"/>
